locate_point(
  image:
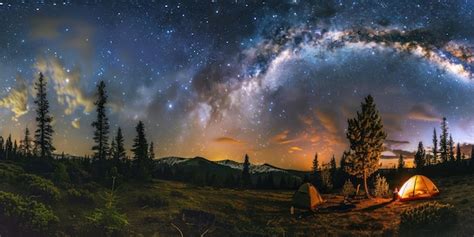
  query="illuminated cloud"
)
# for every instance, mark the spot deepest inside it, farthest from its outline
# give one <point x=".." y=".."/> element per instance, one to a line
<point x="282" y="138"/>
<point x="17" y="99"/>
<point x="76" y="123"/>
<point x="228" y="140"/>
<point x="67" y="85"/>
<point x="423" y="113"/>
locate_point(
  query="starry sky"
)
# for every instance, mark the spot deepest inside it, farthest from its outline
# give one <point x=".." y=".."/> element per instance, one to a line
<point x="274" y="79"/>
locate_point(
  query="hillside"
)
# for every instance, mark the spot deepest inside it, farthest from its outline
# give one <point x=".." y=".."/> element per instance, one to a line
<point x="248" y="213"/>
<point x="199" y="170"/>
<point x="157" y="208"/>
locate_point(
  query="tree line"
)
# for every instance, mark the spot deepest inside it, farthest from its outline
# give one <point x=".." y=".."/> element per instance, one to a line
<point x="109" y="155"/>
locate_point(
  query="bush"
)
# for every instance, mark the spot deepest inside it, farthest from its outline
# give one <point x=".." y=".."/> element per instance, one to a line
<point x="107" y="221"/>
<point x="432" y="216"/>
<point x="381" y="187"/>
<point x="8" y="172"/>
<point x="60" y="174"/>
<point x="151" y="200"/>
<point x="39" y="186"/>
<point x="348" y="189"/>
<point x="80" y="196"/>
<point x="22" y="215"/>
<point x="326" y="179"/>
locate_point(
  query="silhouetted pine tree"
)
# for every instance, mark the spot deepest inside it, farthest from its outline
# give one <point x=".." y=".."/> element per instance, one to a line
<point x="141" y="160"/>
<point x="401" y="163"/>
<point x="9" y="147"/>
<point x="315" y="174"/>
<point x="112" y="150"/>
<point x="458" y="153"/>
<point x="366" y="136"/>
<point x="246" y="178"/>
<point x="120" y="153"/>
<point x="151" y="152"/>
<point x="443" y="141"/>
<point x="2" y="148"/>
<point x="25" y="144"/>
<point x="435" y="148"/>
<point x="451" y="149"/>
<point x="101" y="125"/>
<point x="420" y="156"/>
<point x="15" y="149"/>
<point x="44" y="131"/>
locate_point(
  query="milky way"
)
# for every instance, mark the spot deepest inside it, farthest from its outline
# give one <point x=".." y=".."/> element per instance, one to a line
<point x="276" y="80"/>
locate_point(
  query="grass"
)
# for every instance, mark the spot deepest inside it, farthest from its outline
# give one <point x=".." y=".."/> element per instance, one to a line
<point x="238" y="212"/>
<point x="260" y="213"/>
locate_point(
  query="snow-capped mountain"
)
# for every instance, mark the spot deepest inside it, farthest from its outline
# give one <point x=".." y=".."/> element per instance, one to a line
<point x="265" y="168"/>
<point x="171" y="160"/>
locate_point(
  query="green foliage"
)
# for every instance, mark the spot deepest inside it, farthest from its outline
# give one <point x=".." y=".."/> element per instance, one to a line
<point x="107" y="221"/>
<point x="427" y="217"/>
<point x="348" y="189"/>
<point x="381" y="186"/>
<point x="151" y="200"/>
<point x="25" y="215"/>
<point x="80" y="196"/>
<point x="326" y="179"/>
<point x="60" y="174"/>
<point x="366" y="136"/>
<point x="37" y="185"/>
<point x="9" y="172"/>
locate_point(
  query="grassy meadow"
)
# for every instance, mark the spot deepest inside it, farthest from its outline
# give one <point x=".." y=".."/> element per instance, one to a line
<point x="267" y="213"/>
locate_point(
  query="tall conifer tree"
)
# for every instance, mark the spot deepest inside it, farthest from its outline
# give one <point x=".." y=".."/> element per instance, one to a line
<point x="366" y="137"/>
<point x="420" y="156"/>
<point x="44" y="131"/>
<point x="246" y="179"/>
<point x="101" y="125"/>
<point x="443" y="141"/>
<point x="435" y="148"/>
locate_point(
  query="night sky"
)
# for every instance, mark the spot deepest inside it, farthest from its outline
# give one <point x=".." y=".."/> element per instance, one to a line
<point x="274" y="79"/>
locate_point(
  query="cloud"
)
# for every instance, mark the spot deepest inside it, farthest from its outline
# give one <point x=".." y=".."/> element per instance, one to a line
<point x="228" y="140"/>
<point x="17" y="99"/>
<point x="67" y="84"/>
<point x="423" y="113"/>
<point x="76" y="123"/>
<point x="66" y="32"/>
<point x="294" y="149"/>
<point x="282" y="138"/>
<point x="396" y="142"/>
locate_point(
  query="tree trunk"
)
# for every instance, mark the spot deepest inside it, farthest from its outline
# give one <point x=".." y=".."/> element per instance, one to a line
<point x="365" y="186"/>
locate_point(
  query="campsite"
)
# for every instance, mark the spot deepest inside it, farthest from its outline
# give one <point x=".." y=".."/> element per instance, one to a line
<point x="267" y="213"/>
<point x="245" y="118"/>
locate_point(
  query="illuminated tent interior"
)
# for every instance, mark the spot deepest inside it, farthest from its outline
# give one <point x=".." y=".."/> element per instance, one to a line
<point x="417" y="187"/>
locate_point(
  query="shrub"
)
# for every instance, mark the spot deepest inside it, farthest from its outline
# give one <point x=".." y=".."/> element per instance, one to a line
<point x="8" y="172"/>
<point x="381" y="187"/>
<point x="348" y="189"/>
<point x="60" y="174"/>
<point x="151" y="200"/>
<point x="24" y="215"/>
<point x="432" y="216"/>
<point x="107" y="221"/>
<point x="80" y="196"/>
<point x="39" y="186"/>
<point x="326" y="179"/>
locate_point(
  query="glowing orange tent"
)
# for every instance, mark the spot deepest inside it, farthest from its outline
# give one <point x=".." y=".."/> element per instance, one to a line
<point x="417" y="187"/>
